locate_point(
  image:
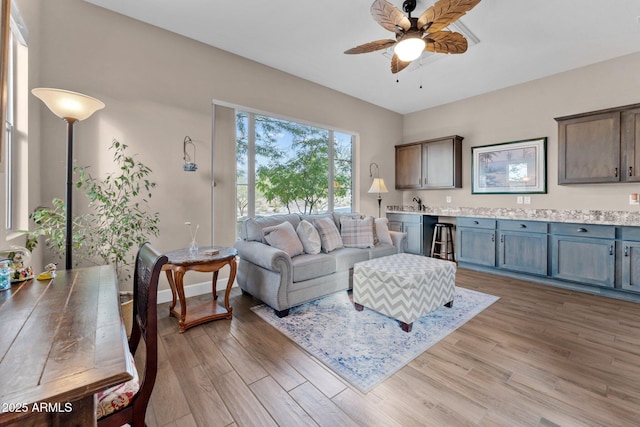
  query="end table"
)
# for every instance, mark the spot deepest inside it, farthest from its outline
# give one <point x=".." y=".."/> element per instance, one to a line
<point x="183" y="260"/>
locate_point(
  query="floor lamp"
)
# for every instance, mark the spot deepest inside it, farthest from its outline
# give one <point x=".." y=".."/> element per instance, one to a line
<point x="70" y="107"/>
<point x="377" y="186"/>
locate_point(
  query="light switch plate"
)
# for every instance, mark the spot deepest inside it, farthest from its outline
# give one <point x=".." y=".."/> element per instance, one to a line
<point x="519" y="200"/>
<point x="448" y="199"/>
<point x="527" y="200"/>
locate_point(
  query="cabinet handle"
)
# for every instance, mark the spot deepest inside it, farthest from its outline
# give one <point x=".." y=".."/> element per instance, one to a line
<point x="476" y="222"/>
<point x="581" y="230"/>
<point x="626" y="251"/>
<point x="502" y="238"/>
<point x="611" y="250"/>
<point x="493" y="238"/>
<point x="523" y="225"/>
<point x="615" y="172"/>
<point x="630" y="170"/>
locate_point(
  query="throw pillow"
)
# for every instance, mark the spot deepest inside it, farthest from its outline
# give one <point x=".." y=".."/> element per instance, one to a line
<point x="329" y="235"/>
<point x="357" y="233"/>
<point x="382" y="230"/>
<point x="309" y="237"/>
<point x="284" y="237"/>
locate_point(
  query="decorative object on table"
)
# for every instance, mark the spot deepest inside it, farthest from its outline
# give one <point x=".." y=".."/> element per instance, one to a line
<point x="377" y="186"/>
<point x="5" y="283"/>
<point x="19" y="258"/>
<point x="416" y="35"/>
<point x="193" y="246"/>
<point x="70" y="107"/>
<point x="366" y="347"/>
<point x="189" y="164"/>
<point x="509" y="167"/>
<point x="48" y="273"/>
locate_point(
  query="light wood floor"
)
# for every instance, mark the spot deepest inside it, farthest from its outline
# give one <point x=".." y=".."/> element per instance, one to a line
<point x="540" y="356"/>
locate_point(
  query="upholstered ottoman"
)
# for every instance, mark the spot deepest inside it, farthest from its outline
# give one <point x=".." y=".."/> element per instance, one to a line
<point x="404" y="286"/>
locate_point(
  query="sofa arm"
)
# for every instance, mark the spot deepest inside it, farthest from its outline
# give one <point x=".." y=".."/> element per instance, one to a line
<point x="399" y="240"/>
<point x="264" y="256"/>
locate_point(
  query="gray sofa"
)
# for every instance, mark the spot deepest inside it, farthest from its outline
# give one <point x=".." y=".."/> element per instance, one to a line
<point x="282" y="282"/>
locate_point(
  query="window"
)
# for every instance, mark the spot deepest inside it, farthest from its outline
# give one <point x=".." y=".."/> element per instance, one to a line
<point x="288" y="167"/>
<point x="8" y="135"/>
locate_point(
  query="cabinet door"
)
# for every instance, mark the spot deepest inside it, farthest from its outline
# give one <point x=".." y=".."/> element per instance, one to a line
<point x="582" y="259"/>
<point x="589" y="149"/>
<point x="631" y="266"/>
<point x="395" y="225"/>
<point x="414" y="237"/>
<point x="408" y="166"/>
<point x="631" y="144"/>
<point x="523" y="252"/>
<point x="441" y="160"/>
<point x="476" y="246"/>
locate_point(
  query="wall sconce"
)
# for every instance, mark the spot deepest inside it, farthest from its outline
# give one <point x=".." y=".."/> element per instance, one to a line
<point x="377" y="186"/>
<point x="189" y="166"/>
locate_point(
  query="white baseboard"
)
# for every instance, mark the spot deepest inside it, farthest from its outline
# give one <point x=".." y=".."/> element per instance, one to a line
<point x="194" y="290"/>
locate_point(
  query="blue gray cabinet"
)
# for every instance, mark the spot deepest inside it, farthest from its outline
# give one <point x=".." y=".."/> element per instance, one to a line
<point x="419" y="229"/>
<point x="522" y="246"/>
<point x="476" y="241"/>
<point x="630" y="259"/>
<point x="583" y="253"/>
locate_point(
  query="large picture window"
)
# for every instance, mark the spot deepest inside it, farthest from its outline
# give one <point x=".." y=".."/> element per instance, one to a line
<point x="288" y="167"/>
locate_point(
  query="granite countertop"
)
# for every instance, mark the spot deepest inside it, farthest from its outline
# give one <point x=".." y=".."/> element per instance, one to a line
<point x="581" y="216"/>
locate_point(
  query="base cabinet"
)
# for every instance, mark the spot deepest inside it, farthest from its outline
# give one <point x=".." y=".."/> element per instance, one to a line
<point x="604" y="258"/>
<point x="522" y="246"/>
<point x="419" y="229"/>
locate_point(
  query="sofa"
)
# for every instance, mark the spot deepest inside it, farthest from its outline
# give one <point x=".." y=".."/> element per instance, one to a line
<point x="285" y="268"/>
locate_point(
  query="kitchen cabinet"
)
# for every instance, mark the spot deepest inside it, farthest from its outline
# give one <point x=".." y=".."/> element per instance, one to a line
<point x="431" y="164"/>
<point x="583" y="253"/>
<point x="522" y="246"/>
<point x="476" y="241"/>
<point x="630" y="259"/>
<point x="419" y="229"/>
<point x="600" y="146"/>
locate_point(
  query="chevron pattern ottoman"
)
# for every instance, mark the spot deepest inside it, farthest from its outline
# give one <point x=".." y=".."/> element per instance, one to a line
<point x="404" y="286"/>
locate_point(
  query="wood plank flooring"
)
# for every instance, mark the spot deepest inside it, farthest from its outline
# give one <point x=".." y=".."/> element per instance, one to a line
<point x="540" y="356"/>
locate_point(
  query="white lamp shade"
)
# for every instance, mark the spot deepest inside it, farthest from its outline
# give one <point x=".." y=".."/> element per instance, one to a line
<point x="377" y="186"/>
<point x="68" y="105"/>
<point x="409" y="48"/>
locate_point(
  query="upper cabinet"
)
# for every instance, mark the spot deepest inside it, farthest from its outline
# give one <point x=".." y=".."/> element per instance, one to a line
<point x="431" y="164"/>
<point x="601" y="146"/>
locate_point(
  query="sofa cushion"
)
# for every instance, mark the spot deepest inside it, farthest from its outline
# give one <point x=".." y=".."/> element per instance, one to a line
<point x="252" y="227"/>
<point x="329" y="234"/>
<point x="309" y="237"/>
<point x="337" y="217"/>
<point x="382" y="249"/>
<point x="357" y="233"/>
<point x="307" y="266"/>
<point x="382" y="230"/>
<point x="284" y="237"/>
<point x="346" y="257"/>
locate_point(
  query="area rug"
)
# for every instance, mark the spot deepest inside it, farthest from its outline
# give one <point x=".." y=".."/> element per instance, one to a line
<point x="365" y="347"/>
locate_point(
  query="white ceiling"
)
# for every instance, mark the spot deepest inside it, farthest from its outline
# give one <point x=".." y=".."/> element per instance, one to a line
<point x="520" y="40"/>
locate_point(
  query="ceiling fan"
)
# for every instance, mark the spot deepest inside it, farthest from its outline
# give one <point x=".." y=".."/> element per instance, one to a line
<point x="415" y="35"/>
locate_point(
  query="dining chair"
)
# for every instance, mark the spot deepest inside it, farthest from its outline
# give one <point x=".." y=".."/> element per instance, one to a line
<point x="127" y="403"/>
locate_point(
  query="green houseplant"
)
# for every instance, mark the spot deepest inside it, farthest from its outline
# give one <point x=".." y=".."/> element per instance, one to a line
<point x="118" y="221"/>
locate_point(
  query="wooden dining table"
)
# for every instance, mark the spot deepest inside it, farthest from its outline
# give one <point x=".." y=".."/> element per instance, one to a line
<point x="61" y="341"/>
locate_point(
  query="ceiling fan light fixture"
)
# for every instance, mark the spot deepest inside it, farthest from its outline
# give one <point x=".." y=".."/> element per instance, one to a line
<point x="410" y="47"/>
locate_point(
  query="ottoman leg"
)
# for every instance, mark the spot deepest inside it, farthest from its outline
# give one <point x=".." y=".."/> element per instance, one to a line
<point x="406" y="326"/>
<point x="358" y="307"/>
<point x="449" y="304"/>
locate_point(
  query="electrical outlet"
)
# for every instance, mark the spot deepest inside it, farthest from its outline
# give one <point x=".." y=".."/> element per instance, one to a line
<point x="448" y="199"/>
<point x="519" y="200"/>
<point x="527" y="200"/>
<point x="633" y="199"/>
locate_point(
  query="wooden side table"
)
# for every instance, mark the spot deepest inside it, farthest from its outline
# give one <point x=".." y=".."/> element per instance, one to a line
<point x="181" y="261"/>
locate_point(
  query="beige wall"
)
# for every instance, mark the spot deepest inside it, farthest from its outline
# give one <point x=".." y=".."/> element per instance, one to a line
<point x="527" y="111"/>
<point x="158" y="87"/>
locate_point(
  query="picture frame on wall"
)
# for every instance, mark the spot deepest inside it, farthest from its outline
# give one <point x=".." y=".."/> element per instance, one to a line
<point x="510" y="167"/>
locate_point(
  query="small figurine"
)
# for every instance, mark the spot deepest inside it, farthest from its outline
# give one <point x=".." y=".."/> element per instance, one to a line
<point x="49" y="273"/>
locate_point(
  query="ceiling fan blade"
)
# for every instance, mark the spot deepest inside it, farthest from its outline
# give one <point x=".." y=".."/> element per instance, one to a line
<point x="443" y="13"/>
<point x="371" y="46"/>
<point x="389" y="16"/>
<point x="397" y="65"/>
<point x="446" y="42"/>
